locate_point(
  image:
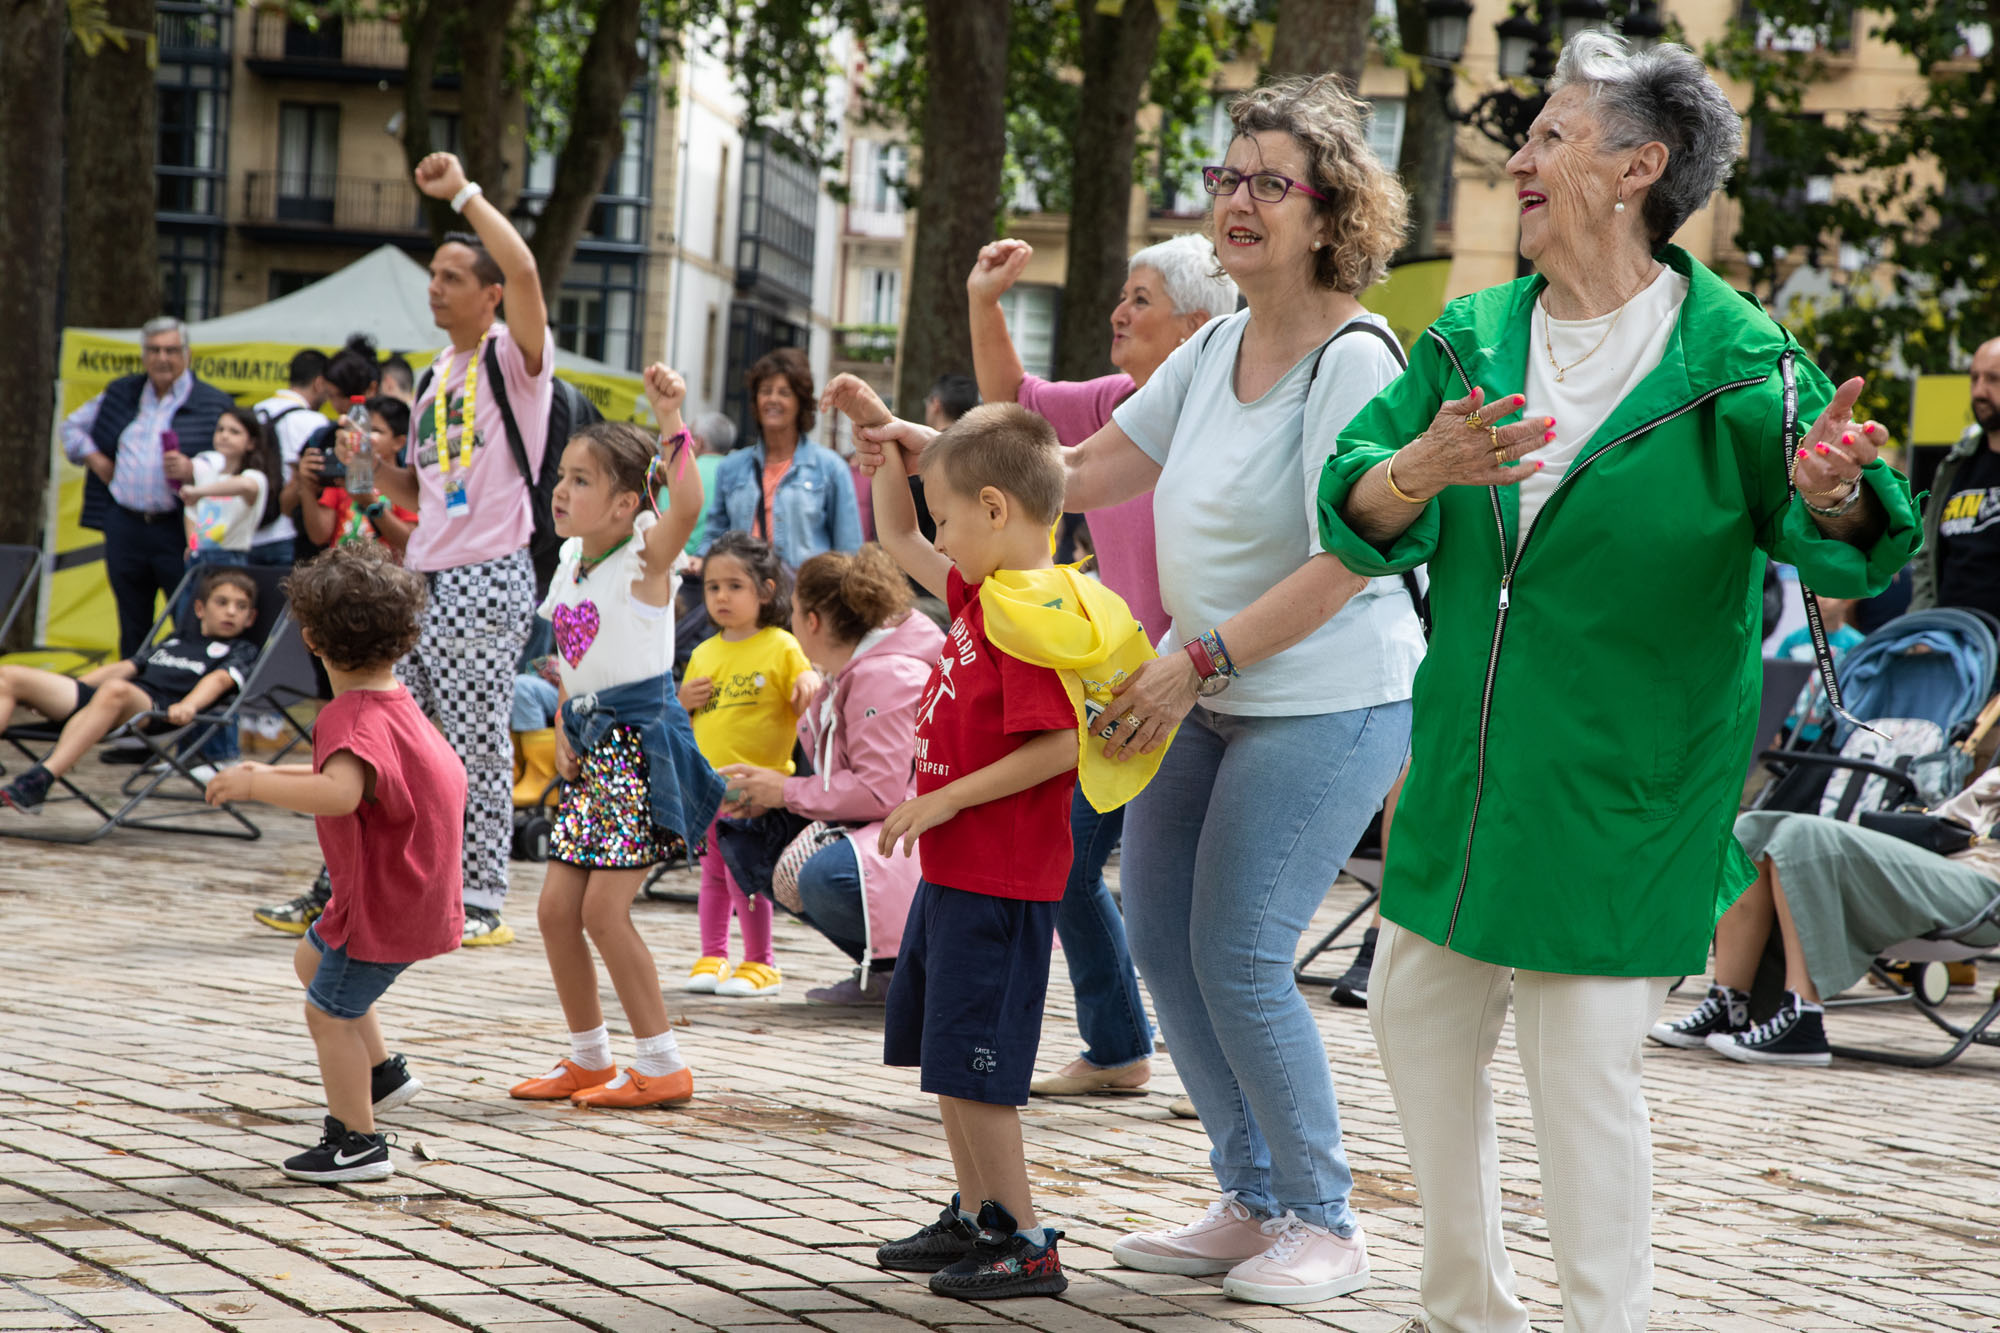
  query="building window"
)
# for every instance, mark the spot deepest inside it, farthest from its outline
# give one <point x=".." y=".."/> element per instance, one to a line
<point x="190" y="271"/>
<point x="285" y="281"/>
<point x="881" y="296"/>
<point x="1385" y="130"/>
<point x="189" y="165"/>
<point x="1206" y="142"/>
<point x="753" y="331"/>
<point x="444" y="131"/>
<point x="876" y="176"/>
<point x="308" y="153"/>
<point x="597" y="308"/>
<point x="779" y="215"/>
<point x="1031" y="323"/>
<point x="721" y="202"/>
<point x="619" y="214"/>
<point x="1774" y="182"/>
<point x="711" y="342"/>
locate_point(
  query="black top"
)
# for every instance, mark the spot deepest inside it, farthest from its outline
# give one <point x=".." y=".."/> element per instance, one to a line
<point x="170" y="669"/>
<point x="1969" y="537"/>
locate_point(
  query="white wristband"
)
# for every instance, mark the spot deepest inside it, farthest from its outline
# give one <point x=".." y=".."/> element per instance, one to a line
<point x="467" y="193"/>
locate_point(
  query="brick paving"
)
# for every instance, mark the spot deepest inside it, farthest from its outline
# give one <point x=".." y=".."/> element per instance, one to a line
<point x="156" y="1064"/>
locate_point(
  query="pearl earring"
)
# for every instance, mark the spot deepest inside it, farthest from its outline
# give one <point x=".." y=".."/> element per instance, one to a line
<point x="1619" y="207"/>
<point x="1318" y="244"/>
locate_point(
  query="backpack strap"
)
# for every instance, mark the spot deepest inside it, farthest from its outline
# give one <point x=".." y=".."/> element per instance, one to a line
<point x="516" y="446"/>
<point x="1418" y="600"/>
<point x="1815" y="625"/>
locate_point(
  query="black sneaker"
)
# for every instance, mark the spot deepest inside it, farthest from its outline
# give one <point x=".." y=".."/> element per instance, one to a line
<point x="27" y="792"/>
<point x="1795" y="1035"/>
<point x="293" y="917"/>
<point x="1725" y="1012"/>
<point x="342" y="1155"/>
<point x="484" y="926"/>
<point x="1352" y="988"/>
<point x="391" y="1084"/>
<point x="1003" y="1263"/>
<point x="936" y="1247"/>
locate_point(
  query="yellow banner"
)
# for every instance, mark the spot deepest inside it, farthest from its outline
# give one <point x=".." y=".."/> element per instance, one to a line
<point x="78" y="607"/>
<point x="1411" y="298"/>
<point x="1940" y="409"/>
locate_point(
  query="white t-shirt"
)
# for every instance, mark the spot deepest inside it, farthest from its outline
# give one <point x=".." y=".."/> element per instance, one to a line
<point x="225" y="522"/>
<point x="292" y="432"/>
<point x="605" y="636"/>
<point x="1236" y="509"/>
<point x="1591" y="388"/>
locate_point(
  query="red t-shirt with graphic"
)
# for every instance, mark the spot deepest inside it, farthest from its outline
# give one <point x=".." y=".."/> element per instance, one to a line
<point x="978" y="708"/>
<point x="395" y="862"/>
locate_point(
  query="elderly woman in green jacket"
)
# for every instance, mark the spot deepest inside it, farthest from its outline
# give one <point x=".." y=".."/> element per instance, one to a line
<point x="1590" y="461"/>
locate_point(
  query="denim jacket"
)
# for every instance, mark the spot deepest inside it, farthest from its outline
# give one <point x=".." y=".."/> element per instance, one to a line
<point x="816" y="509"/>
<point x="684" y="791"/>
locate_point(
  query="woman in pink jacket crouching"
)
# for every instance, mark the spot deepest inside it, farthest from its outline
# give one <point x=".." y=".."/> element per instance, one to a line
<point x="853" y="616"/>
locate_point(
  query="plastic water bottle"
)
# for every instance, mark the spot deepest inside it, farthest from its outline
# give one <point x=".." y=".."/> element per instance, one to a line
<point x="361" y="468"/>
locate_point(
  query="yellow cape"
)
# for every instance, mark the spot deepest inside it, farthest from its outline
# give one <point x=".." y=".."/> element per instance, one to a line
<point x="1058" y="618"/>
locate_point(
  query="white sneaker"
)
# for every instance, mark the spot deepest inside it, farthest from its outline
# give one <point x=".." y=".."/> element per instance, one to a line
<point x="1303" y="1264"/>
<point x="1216" y="1242"/>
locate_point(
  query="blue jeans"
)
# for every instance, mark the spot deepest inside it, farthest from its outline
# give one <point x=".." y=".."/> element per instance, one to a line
<point x="279" y="552"/>
<point x="1109" y="1011"/>
<point x="1229" y="852"/>
<point x="830" y="894"/>
<point x="534" y="707"/>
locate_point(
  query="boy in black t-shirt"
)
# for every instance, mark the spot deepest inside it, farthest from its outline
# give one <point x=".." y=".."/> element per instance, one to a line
<point x="182" y="675"/>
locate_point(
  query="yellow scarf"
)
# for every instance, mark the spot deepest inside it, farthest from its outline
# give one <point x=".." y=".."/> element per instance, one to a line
<point x="1058" y="618"/>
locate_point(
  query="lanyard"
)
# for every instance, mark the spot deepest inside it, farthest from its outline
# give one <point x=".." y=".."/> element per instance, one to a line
<point x="441" y="414"/>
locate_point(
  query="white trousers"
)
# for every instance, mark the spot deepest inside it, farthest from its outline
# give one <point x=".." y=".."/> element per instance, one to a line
<point x="1437" y="1017"/>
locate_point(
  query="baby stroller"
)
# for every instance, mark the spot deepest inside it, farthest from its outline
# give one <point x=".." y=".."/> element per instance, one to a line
<point x="1919" y="683"/>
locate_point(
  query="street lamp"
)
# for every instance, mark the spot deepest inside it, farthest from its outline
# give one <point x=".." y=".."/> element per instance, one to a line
<point x="1519" y="36"/>
<point x="1579" y="16"/>
<point x="1445" y="22"/>
<point x="1642" y="26"/>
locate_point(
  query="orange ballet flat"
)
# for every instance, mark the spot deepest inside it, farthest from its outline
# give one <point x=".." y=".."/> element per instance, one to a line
<point x="566" y="1080"/>
<point x="632" y="1090"/>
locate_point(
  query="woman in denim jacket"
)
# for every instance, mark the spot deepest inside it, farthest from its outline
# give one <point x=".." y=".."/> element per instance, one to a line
<point x="795" y="494"/>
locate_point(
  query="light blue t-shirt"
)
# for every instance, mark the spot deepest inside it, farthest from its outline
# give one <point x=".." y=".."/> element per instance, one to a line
<point x="1236" y="509"/>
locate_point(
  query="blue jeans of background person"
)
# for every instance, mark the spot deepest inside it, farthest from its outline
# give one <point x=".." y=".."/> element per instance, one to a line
<point x="830" y="896"/>
<point x="1230" y="851"/>
<point x="534" y="705"/>
<point x="279" y="552"/>
<point x="1109" y="1011"/>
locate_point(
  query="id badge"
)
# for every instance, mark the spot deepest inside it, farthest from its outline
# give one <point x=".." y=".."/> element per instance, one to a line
<point x="456" y="505"/>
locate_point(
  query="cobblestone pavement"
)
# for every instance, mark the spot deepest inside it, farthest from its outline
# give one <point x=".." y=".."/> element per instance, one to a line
<point x="156" y="1065"/>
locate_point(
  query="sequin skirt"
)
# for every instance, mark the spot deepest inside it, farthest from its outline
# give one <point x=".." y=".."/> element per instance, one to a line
<point x="605" y="820"/>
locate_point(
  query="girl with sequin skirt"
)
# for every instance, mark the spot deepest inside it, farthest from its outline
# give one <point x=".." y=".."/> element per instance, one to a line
<point x="623" y="745"/>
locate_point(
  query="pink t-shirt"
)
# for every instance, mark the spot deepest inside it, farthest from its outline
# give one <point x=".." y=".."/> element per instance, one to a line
<point x="498" y="520"/>
<point x="1123" y="533"/>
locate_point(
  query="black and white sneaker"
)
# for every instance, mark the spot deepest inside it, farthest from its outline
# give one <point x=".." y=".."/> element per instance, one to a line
<point x="934" y="1248"/>
<point x="1795" y="1035"/>
<point x="341" y="1156"/>
<point x="1003" y="1263"/>
<point x="1351" y="991"/>
<point x="392" y="1084"/>
<point x="1725" y="1012"/>
<point x="294" y="917"/>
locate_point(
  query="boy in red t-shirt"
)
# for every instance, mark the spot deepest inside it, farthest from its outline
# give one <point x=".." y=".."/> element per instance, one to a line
<point x="389" y="799"/>
<point x="996" y="764"/>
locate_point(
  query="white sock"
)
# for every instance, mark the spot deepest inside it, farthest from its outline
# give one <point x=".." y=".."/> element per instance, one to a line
<point x="591" y="1049"/>
<point x="656" y="1057"/>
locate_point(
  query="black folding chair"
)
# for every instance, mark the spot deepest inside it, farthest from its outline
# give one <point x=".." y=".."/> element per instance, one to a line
<point x="20" y="569"/>
<point x="173" y="752"/>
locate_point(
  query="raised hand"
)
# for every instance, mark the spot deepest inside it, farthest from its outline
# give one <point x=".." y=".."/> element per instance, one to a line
<point x="857" y="399"/>
<point x="1465" y="446"/>
<point x="874" y="445"/>
<point x="1835" y="450"/>
<point x="440" y="176"/>
<point x="999" y="266"/>
<point x="666" y="391"/>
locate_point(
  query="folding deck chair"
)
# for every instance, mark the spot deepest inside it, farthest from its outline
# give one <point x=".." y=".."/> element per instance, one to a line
<point x="166" y="776"/>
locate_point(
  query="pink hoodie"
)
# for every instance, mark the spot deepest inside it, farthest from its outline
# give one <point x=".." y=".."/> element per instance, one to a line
<point x="861" y="730"/>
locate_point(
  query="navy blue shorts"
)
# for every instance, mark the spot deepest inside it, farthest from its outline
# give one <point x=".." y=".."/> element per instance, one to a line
<point x="966" y="1002"/>
<point x="346" y="987"/>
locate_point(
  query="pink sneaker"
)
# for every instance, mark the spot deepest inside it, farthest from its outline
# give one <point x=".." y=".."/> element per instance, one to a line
<point x="1301" y="1264"/>
<point x="1223" y="1237"/>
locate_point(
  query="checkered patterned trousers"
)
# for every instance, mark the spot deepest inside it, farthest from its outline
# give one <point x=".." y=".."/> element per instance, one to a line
<point x="462" y="673"/>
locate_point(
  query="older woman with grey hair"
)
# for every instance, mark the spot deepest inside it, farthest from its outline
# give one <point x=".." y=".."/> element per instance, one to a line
<point x="1171" y="290"/>
<point x="1585" y="714"/>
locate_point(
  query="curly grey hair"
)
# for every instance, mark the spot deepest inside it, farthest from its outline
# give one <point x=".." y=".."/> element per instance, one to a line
<point x="1662" y="95"/>
<point x="1193" y="278"/>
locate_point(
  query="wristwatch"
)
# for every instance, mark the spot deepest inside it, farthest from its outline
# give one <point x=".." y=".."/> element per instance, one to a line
<point x="1212" y="676"/>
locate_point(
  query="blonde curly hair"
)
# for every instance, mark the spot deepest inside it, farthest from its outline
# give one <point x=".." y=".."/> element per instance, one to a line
<point x="1370" y="210"/>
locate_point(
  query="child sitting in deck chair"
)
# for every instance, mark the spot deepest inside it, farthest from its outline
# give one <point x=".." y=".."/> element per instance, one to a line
<point x="183" y="674"/>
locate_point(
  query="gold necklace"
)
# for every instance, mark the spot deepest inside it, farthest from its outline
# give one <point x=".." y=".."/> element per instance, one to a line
<point x="1548" y="340"/>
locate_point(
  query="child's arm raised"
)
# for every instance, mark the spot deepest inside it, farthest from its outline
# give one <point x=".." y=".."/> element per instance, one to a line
<point x="665" y="540"/>
<point x="1034" y="761"/>
<point x="337" y="789"/>
<point x="896" y="527"/>
<point x="205" y="692"/>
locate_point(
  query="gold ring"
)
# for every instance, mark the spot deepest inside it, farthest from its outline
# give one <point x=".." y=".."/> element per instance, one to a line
<point x="1474" y="420"/>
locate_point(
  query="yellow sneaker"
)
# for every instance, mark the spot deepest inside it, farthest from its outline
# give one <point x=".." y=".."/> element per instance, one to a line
<point x="752" y="979"/>
<point x="707" y="971"/>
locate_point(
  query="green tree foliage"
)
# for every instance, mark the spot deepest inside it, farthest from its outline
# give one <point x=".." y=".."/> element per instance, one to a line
<point x="1928" y="185"/>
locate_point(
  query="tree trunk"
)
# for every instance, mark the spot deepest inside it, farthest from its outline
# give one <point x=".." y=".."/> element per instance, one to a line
<point x="113" y="268"/>
<point x="1429" y="141"/>
<point x="611" y="65"/>
<point x="483" y="118"/>
<point x="1321" y="37"/>
<point x="423" y="32"/>
<point x="964" y="137"/>
<point x="31" y="144"/>
<point x="1117" y="54"/>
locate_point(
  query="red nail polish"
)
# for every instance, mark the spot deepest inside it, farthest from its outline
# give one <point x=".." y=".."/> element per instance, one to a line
<point x="1539" y="465"/>
<point x="1847" y="439"/>
<point x="1822" y="448"/>
<point x="1550" y="438"/>
<point x="1802" y="453"/>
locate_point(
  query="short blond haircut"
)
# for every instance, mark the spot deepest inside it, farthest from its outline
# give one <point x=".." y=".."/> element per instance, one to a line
<point x="1007" y="447"/>
<point x="1369" y="209"/>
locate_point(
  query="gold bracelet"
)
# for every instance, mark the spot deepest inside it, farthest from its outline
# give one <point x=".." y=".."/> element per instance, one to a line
<point x="1389" y="476"/>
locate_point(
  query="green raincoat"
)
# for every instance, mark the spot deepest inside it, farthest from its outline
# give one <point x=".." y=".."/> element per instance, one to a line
<point x="1585" y="714"/>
